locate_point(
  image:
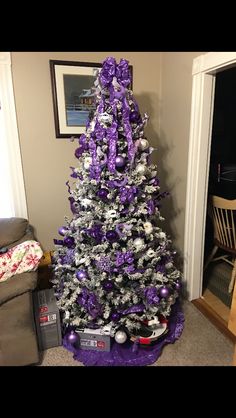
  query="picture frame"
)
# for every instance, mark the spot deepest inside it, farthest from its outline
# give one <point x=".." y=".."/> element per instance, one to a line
<point x="73" y="95"/>
<point x="70" y="79"/>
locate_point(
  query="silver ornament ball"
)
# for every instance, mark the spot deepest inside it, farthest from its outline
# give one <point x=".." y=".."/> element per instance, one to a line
<point x="171" y="300"/>
<point x="120" y="337"/>
<point x="141" y="169"/>
<point x="144" y="144"/>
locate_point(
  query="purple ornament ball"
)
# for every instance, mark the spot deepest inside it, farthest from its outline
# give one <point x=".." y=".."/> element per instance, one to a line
<point x="72" y="337"/>
<point x="119" y="161"/>
<point x="62" y="230"/>
<point x="115" y="316"/>
<point x="134" y="117"/>
<point x="178" y="285"/>
<point x="164" y="292"/>
<point x="107" y="285"/>
<point x="81" y="274"/>
<point x="74" y="207"/>
<point x="102" y="193"/>
<point x="112" y="236"/>
<point x="69" y="242"/>
<point x="78" y="153"/>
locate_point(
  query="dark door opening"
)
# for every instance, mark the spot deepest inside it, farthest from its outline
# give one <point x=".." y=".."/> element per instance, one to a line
<point x="222" y="181"/>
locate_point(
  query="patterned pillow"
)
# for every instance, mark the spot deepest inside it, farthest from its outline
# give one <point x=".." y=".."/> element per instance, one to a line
<point x="11" y="230"/>
<point x="19" y="259"/>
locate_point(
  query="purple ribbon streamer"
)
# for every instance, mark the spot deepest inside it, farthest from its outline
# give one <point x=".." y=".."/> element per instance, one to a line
<point x="133" y="309"/>
<point x="117" y="183"/>
<point x="95" y="169"/>
<point x="128" y="130"/>
<point x="150" y="207"/>
<point x="112" y="136"/>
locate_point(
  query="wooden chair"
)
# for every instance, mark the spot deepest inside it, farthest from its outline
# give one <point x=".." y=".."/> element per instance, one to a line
<point x="223" y="215"/>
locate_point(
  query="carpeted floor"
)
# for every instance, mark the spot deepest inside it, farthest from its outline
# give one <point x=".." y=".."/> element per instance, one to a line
<point x="200" y="344"/>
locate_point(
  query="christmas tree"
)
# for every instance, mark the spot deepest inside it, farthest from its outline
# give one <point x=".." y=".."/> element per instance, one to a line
<point x="115" y="265"/>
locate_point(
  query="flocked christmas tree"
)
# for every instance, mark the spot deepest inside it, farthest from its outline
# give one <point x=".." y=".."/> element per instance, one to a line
<point x="114" y="265"/>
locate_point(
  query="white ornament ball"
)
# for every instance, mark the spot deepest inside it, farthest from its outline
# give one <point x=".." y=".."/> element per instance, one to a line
<point x="138" y="243"/>
<point x="169" y="265"/>
<point x="141" y="169"/>
<point x="120" y="337"/>
<point x="143" y="144"/>
<point x="148" y="228"/>
<point x="153" y="174"/>
<point x="87" y="162"/>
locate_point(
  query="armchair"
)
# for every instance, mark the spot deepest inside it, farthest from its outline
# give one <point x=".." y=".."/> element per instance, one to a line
<point x="18" y="341"/>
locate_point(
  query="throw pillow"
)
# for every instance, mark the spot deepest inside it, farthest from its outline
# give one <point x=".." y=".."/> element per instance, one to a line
<point x="11" y="230"/>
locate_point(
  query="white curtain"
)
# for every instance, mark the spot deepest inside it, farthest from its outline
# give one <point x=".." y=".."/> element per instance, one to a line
<point x="12" y="190"/>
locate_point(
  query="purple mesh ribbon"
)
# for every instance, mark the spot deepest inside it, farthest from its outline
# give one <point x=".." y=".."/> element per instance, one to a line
<point x="122" y="258"/>
<point x="89" y="301"/>
<point x="69" y="257"/>
<point x="127" y="194"/>
<point x="128" y="355"/>
<point x="133" y="309"/>
<point x="151" y="295"/>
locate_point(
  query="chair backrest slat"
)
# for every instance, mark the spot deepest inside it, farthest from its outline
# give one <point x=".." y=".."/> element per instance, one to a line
<point x="233" y="229"/>
<point x="223" y="213"/>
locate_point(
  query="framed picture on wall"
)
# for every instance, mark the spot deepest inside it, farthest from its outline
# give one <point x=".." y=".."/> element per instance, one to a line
<point x="73" y="95"/>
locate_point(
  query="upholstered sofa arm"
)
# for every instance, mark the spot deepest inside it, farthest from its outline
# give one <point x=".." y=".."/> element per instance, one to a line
<point x="17" y="284"/>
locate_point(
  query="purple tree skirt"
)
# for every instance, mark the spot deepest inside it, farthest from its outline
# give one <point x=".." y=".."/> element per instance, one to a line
<point x="128" y="355"/>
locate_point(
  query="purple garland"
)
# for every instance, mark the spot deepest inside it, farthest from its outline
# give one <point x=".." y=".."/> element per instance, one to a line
<point x="124" y="354"/>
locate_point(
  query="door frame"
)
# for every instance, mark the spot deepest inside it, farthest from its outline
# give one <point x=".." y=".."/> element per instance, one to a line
<point x="10" y="138"/>
<point x="204" y="69"/>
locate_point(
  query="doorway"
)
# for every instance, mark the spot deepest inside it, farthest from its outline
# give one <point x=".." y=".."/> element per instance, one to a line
<point x="205" y="69"/>
<point x="222" y="183"/>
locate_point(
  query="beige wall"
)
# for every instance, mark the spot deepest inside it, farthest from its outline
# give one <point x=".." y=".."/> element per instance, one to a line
<point x="174" y="138"/>
<point x="46" y="160"/>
